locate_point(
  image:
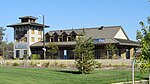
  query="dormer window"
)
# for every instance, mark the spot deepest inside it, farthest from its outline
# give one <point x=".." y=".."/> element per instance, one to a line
<point x="24" y="20"/>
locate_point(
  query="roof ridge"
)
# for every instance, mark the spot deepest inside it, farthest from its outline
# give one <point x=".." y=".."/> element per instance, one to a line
<point x="84" y="28"/>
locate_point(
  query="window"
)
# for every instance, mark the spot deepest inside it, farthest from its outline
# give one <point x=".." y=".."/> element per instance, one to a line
<point x="60" y="39"/>
<point x="32" y="31"/>
<point x="39" y="32"/>
<point x="32" y="39"/>
<point x="25" y="52"/>
<point x="64" y="38"/>
<point x="69" y="38"/>
<point x="17" y="40"/>
<point x="73" y="37"/>
<point x="39" y="39"/>
<point x="24" y="39"/>
<point x="52" y="39"/>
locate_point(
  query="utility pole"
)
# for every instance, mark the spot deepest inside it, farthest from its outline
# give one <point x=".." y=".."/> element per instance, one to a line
<point x="44" y="49"/>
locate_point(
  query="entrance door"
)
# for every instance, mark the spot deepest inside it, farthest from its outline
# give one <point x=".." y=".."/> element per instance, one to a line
<point x="128" y="53"/>
<point x="65" y="54"/>
<point x="17" y="53"/>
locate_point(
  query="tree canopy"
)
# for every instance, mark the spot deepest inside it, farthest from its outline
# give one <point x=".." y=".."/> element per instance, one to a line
<point x="143" y="37"/>
<point x="1" y="34"/>
<point x="84" y="55"/>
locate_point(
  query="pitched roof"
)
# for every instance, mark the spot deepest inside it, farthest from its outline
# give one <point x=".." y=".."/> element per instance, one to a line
<point x="27" y="23"/>
<point x="105" y="32"/>
<point x="127" y="42"/>
<point x="97" y="32"/>
<point x="30" y="17"/>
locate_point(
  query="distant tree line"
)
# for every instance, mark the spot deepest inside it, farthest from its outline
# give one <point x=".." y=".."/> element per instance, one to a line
<point x="6" y="49"/>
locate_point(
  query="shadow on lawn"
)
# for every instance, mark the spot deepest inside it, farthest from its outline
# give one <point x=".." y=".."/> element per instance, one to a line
<point x="145" y="78"/>
<point x="72" y="72"/>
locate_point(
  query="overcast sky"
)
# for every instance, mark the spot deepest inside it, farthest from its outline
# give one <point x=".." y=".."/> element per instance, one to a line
<point x="68" y="14"/>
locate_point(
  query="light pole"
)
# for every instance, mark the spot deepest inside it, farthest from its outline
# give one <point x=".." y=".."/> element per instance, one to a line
<point x="44" y="49"/>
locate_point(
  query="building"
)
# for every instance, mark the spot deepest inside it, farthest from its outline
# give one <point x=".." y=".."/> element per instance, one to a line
<point x="28" y="35"/>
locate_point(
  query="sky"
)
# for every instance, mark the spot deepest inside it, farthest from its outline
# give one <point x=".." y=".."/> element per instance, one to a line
<point x="74" y="14"/>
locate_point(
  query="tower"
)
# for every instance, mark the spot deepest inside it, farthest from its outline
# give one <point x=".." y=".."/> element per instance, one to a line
<point x="26" y="33"/>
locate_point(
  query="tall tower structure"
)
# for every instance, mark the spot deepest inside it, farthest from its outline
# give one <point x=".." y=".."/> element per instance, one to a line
<point x="26" y="33"/>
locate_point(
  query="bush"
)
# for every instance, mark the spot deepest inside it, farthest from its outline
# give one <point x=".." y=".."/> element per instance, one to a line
<point x="46" y="64"/>
<point x="99" y="65"/>
<point x="55" y="64"/>
<point x="15" y="64"/>
<point x="7" y="63"/>
<point x="32" y="64"/>
<point x="62" y="66"/>
<point x="35" y="56"/>
<point x="116" y="66"/>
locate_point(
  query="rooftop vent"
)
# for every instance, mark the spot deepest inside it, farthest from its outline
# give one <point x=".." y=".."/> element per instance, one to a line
<point x="101" y="28"/>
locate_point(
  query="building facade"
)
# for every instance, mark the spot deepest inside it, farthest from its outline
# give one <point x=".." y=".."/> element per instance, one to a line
<point x="28" y="37"/>
<point x="26" y="33"/>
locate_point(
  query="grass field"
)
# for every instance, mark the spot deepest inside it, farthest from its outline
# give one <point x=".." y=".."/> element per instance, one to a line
<point x="12" y="75"/>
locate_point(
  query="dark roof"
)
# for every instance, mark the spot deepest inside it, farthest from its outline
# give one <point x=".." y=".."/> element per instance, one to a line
<point x="30" y="17"/>
<point x="106" y="41"/>
<point x="37" y="44"/>
<point x="127" y="42"/>
<point x="97" y="32"/>
<point x="27" y="23"/>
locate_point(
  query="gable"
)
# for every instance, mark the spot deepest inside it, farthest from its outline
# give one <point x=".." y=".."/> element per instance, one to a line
<point x="121" y="35"/>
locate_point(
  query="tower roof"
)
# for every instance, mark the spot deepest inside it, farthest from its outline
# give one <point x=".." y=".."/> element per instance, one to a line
<point x="27" y="24"/>
<point x="28" y="17"/>
<point x="28" y="21"/>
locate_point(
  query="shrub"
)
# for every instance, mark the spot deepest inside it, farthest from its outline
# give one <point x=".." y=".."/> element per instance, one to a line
<point x="35" y="56"/>
<point x="55" y="63"/>
<point x="32" y="64"/>
<point x="7" y="63"/>
<point x="15" y="64"/>
<point x="99" y="65"/>
<point x="116" y="66"/>
<point x="46" y="64"/>
<point x="123" y="65"/>
<point x="62" y="66"/>
<point x="110" y="65"/>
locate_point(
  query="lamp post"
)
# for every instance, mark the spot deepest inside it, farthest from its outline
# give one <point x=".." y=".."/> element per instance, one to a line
<point x="44" y="49"/>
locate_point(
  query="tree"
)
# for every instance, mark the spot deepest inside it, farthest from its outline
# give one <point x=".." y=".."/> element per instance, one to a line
<point x="1" y="38"/>
<point x="52" y="48"/>
<point x="7" y="49"/>
<point x="1" y="34"/>
<point x="84" y="55"/>
<point x="111" y="50"/>
<point x="143" y="37"/>
<point x="10" y="49"/>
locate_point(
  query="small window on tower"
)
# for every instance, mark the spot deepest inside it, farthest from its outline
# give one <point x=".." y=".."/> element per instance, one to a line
<point x="39" y="32"/>
<point x="32" y="39"/>
<point x="32" y="31"/>
<point x="25" y="40"/>
<point x="39" y="39"/>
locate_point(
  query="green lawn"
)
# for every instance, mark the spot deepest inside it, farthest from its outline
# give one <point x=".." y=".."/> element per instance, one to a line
<point x="10" y="75"/>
